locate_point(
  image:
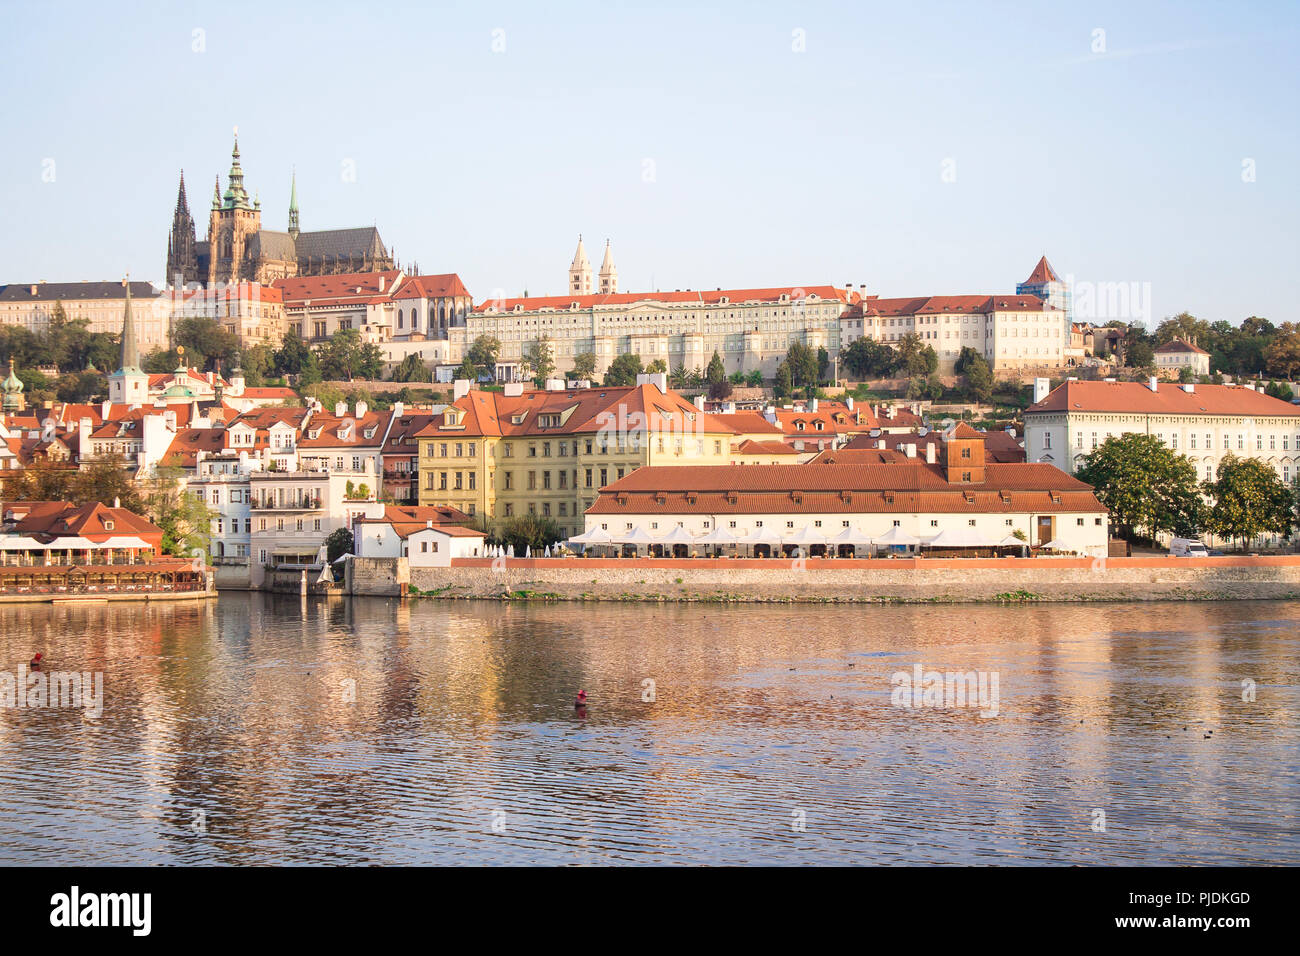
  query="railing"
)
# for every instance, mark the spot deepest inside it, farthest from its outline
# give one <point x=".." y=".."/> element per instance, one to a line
<point x="301" y="504"/>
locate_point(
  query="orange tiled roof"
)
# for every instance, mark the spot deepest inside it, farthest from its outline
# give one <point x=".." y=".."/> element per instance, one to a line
<point x="1169" y="399"/>
<point x="701" y="297"/>
<point x="1180" y="345"/>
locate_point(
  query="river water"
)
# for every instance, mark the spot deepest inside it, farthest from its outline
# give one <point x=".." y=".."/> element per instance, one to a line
<point x="262" y="729"/>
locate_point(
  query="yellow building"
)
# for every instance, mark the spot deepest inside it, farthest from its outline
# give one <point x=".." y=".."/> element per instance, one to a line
<point x="549" y="452"/>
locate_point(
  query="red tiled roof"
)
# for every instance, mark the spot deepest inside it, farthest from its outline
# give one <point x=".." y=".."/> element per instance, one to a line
<point x="702" y="297"/>
<point x="1179" y="345"/>
<point x="337" y="289"/>
<point x="59" y="518"/>
<point x="1170" y="399"/>
<point x="751" y="447"/>
<point x="329" y="425"/>
<point x="745" y="423"/>
<point x="431" y="287"/>
<point x="1043" y="272"/>
<point x="910" y="486"/>
<point x="954" y="305"/>
<point x="184" y="449"/>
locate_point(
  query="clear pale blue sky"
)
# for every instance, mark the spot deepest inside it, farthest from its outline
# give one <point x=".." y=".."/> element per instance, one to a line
<point x="771" y="167"/>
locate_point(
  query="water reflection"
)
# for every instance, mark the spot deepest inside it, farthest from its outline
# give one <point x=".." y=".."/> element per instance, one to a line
<point x="263" y="729"/>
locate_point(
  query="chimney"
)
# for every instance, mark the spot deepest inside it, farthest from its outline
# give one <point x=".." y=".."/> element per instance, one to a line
<point x="699" y="402"/>
<point x="911" y="449"/>
<point x="398" y="409"/>
<point x="848" y="402"/>
<point x="103" y="410"/>
<point x="459" y="389"/>
<point x="929" y="453"/>
<point x="1041" y="387"/>
<point x="340" y="409"/>
<point x="1189" y="388"/>
<point x="362" y="408"/>
<point x="812" y="406"/>
<point x="117" y="502"/>
<point x="880" y="443"/>
<point x="555" y="385"/>
<point x="381" y="283"/>
<point x="1153" y="383"/>
<point x="513" y="389"/>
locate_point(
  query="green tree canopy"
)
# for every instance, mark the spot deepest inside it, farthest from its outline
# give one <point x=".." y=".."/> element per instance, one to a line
<point x="584" y="366"/>
<point x="623" y="370"/>
<point x="1146" y="486"/>
<point x="1249" y="500"/>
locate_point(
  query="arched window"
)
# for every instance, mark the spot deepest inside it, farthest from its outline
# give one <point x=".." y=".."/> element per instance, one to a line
<point x="399" y="318"/>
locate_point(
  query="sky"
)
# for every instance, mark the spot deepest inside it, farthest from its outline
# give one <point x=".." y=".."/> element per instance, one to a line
<point x="917" y="148"/>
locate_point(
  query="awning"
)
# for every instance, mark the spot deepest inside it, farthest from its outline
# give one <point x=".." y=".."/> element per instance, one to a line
<point x="294" y="552"/>
<point x="850" y="536"/>
<point x="807" y="535"/>
<point x="717" y="536"/>
<point x="761" y="536"/>
<point x="594" y="536"/>
<point x="22" y="543"/>
<point x="637" y="536"/>
<point x="678" y="535"/>
<point x="896" y="535"/>
<point x="959" y="538"/>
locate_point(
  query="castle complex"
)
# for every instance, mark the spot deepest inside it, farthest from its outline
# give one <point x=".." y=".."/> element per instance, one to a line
<point x="238" y="249"/>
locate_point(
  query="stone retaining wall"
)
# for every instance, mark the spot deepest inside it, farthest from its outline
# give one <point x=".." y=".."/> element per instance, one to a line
<point x="842" y="581"/>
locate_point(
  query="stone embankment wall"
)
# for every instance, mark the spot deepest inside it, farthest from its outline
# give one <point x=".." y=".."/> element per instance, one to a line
<point x="839" y="581"/>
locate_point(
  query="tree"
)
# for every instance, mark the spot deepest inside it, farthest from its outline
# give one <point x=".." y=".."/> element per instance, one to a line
<point x="783" y="384"/>
<point x="412" y="369"/>
<point x="657" y="367"/>
<point x="1145" y="485"/>
<point x="921" y="387"/>
<point x="1183" y="326"/>
<point x="623" y="370"/>
<point x="482" y="354"/>
<point x="345" y="357"/>
<point x="823" y="363"/>
<point x="292" y="355"/>
<point x="159" y="361"/>
<point x="754" y="379"/>
<point x="979" y="379"/>
<point x="716" y="377"/>
<point x="539" y="359"/>
<point x="867" y="358"/>
<point x="338" y="544"/>
<point x="1282" y="355"/>
<point x="802" y="362"/>
<point x="258" y="364"/>
<point x="1249" y="500"/>
<point x="915" y="357"/>
<point x="584" y="366"/>
<point x="184" y="516"/>
<point x="1279" y="390"/>
<point x="527" y="531"/>
<point x="1140" y="355"/>
<point x="205" y="340"/>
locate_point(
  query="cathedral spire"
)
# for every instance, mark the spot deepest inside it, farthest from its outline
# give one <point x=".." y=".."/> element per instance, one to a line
<point x="216" y="191"/>
<point x="293" y="205"/>
<point x="182" y="255"/>
<point x="236" y="195"/>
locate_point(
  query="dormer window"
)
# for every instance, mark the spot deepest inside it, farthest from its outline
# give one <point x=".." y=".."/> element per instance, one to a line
<point x="108" y="525"/>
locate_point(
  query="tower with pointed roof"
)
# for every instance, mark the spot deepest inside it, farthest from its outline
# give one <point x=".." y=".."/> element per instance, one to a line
<point x="237" y="248"/>
<point x="128" y="385"/>
<point x="182" y="255"/>
<point x="580" y="277"/>
<point x="12" y="388"/>
<point x="608" y="273"/>
<point x="1047" y="285"/>
<point x="293" y="206"/>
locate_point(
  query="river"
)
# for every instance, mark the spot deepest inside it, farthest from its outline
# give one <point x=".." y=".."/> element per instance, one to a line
<point x="261" y="729"/>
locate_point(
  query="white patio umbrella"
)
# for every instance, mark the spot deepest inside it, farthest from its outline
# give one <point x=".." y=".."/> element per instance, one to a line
<point x="638" y="536"/>
<point x="343" y="557"/>
<point x="959" y="538"/>
<point x="804" y="537"/>
<point x="594" y="536"/>
<point x="761" y="536"/>
<point x="1056" y="545"/>
<point x="896" y="535"/>
<point x="1011" y="541"/>
<point x="22" y="543"/>
<point x="528" y="551"/>
<point x="851" y="536"/>
<point x="678" y="535"/>
<point x="717" y="536"/>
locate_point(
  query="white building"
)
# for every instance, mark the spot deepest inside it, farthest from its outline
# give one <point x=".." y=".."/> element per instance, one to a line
<point x="1173" y="357"/>
<point x="1203" y="422"/>
<point x="952" y="498"/>
<point x="426" y="536"/>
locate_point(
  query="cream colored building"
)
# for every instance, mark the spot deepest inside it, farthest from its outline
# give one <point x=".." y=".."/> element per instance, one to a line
<point x="101" y="304"/>
<point x="1172" y="357"/>
<point x="1202" y="422"/>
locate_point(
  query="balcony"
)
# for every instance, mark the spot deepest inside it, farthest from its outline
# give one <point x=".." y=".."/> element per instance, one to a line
<point x="298" y="504"/>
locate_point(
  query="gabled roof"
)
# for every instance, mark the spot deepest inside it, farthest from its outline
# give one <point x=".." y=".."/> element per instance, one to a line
<point x="339" y="289"/>
<point x="1180" y="345"/>
<point x="1169" y="399"/>
<point x="325" y="426"/>
<point x="59" y="518"/>
<point x="188" y="442"/>
<point x="431" y="287"/>
<point x="73" y="291"/>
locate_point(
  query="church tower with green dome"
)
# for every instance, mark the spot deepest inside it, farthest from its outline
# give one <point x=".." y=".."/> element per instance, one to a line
<point x="12" y="387"/>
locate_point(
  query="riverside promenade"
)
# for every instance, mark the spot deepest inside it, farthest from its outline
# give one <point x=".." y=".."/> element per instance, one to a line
<point x="835" y="580"/>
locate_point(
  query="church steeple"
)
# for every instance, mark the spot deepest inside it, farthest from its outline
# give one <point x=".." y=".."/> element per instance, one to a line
<point x="182" y="256"/>
<point x="608" y="273"/>
<point x="216" y="191"/>
<point x="128" y="385"/>
<point x="236" y="195"/>
<point x="293" y="205"/>
<point x="580" y="272"/>
<point x="130" y="351"/>
<point x="12" y="387"/>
